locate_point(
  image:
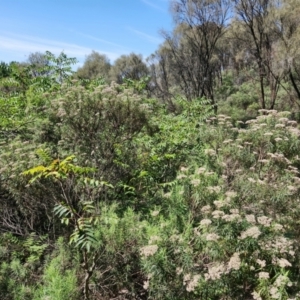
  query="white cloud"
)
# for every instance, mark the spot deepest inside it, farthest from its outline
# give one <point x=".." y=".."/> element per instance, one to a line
<point x="26" y="44"/>
<point x="145" y="36"/>
<point x="99" y="40"/>
<point x="150" y="3"/>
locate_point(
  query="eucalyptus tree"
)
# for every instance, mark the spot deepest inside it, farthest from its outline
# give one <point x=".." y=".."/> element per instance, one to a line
<point x="129" y="66"/>
<point x="194" y="45"/>
<point x="255" y="29"/>
<point x="38" y="63"/>
<point x="95" y="65"/>
<point x="288" y="31"/>
<point x="161" y="75"/>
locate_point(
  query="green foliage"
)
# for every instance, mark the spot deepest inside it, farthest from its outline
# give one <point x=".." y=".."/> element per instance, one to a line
<point x="229" y="229"/>
<point x="157" y="202"/>
<point x="20" y="260"/>
<point x="74" y="211"/>
<point x="57" y="168"/>
<point x="240" y="104"/>
<point x="82" y="213"/>
<point x="105" y="141"/>
<point x="59" y="277"/>
<point x="59" y="67"/>
<point x="5" y="70"/>
<point x="154" y="204"/>
<point x="138" y="86"/>
<point x="95" y="66"/>
<point x="129" y="67"/>
<point x="12" y="116"/>
<point x="175" y="142"/>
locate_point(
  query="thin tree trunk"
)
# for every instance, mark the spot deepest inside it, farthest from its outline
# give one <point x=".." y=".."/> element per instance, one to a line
<point x="294" y="84"/>
<point x="88" y="273"/>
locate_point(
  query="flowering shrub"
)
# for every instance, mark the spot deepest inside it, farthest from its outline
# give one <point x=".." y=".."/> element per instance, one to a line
<point x="234" y="219"/>
<point x="198" y="208"/>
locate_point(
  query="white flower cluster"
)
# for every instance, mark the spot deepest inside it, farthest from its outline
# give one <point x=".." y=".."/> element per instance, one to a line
<point x="217" y="214"/>
<point x="263" y="275"/>
<point x="215" y="271"/>
<point x="191" y="281"/>
<point x="251" y="219"/>
<point x="206" y="209"/>
<point x="256" y="296"/>
<point x="212" y="237"/>
<point x="281" y="262"/>
<point x="253" y="232"/>
<point x="148" y="250"/>
<point x="265" y="221"/>
<point x="277" y="285"/>
<point x="205" y="222"/>
<point x="280" y="245"/>
<point x="262" y="263"/>
<point x="234" y="262"/>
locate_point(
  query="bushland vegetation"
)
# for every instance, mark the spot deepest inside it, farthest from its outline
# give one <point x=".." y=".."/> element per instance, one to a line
<point x="175" y="178"/>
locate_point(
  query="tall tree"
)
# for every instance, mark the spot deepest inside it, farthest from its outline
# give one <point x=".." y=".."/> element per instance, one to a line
<point x="38" y="62"/>
<point x="194" y="44"/>
<point x="60" y="66"/>
<point x="161" y="74"/>
<point x="255" y="26"/>
<point x="95" y="65"/>
<point x="129" y="66"/>
<point x="288" y="31"/>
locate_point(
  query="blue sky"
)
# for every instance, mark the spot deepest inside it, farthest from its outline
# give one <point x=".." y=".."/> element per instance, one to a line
<point x="111" y="27"/>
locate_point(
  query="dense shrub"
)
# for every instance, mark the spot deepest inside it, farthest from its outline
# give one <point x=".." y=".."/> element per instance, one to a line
<point x="155" y="205"/>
